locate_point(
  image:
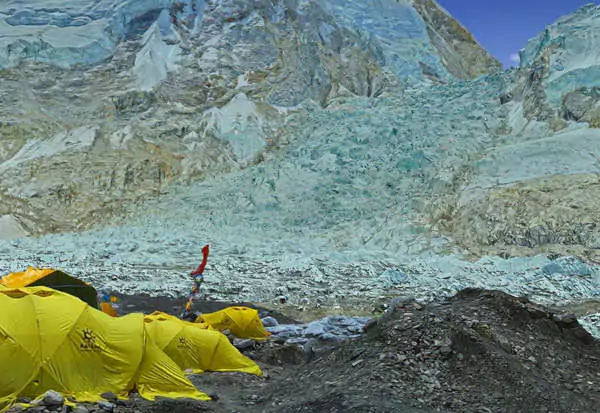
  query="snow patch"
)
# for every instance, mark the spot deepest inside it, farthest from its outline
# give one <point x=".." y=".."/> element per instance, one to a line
<point x="120" y="138"/>
<point x="240" y="123"/>
<point x="11" y="228"/>
<point x="76" y="140"/>
<point x="155" y="60"/>
<point x="242" y="81"/>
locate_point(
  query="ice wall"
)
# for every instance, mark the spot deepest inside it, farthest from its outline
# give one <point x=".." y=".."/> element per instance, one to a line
<point x="71" y="32"/>
<point x="570" y="50"/>
<point x="395" y="29"/>
<point x="66" y="33"/>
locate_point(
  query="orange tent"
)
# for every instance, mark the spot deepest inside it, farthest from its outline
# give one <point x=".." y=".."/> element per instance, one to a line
<point x="107" y="308"/>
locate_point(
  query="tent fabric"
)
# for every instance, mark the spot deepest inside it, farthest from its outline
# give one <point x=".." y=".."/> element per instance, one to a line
<point x="55" y="279"/>
<point x="242" y="322"/>
<point x="50" y="340"/>
<point x="196" y="347"/>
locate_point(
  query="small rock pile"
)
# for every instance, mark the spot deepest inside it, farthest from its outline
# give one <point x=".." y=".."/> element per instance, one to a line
<point x="53" y="401"/>
<point x="328" y="329"/>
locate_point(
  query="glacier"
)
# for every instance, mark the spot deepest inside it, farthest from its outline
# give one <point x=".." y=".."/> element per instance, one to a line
<point x="321" y="222"/>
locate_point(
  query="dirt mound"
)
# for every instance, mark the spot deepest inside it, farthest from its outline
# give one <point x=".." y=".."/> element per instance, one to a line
<point x="480" y="351"/>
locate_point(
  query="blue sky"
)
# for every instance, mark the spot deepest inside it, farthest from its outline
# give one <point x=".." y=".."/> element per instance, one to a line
<point x="504" y="26"/>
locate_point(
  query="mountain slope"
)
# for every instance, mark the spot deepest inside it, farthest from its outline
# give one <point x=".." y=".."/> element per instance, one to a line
<point x="462" y="56"/>
<point x="178" y="90"/>
<point x="320" y="169"/>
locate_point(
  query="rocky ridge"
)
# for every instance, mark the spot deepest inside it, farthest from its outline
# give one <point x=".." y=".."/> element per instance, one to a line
<point x="481" y="351"/>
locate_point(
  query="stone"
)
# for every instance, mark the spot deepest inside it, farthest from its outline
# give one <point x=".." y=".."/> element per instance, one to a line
<point x="106" y="406"/>
<point x="462" y="56"/>
<point x="506" y="97"/>
<point x="592" y="117"/>
<point x="577" y="103"/>
<point x="110" y="396"/>
<point x="270" y="321"/>
<point x="566" y="320"/>
<point x="446" y="351"/>
<point x="393" y="277"/>
<point x="52" y="398"/>
<point x="11" y="228"/>
<point x="243" y="344"/>
<point x="556" y="124"/>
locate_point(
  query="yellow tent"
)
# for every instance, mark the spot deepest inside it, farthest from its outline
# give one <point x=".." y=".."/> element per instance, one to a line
<point x="56" y="279"/>
<point x="195" y="347"/>
<point x="50" y="340"/>
<point x="242" y="322"/>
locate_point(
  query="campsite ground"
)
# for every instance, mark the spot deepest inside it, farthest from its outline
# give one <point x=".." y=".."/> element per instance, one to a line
<point x="479" y="351"/>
